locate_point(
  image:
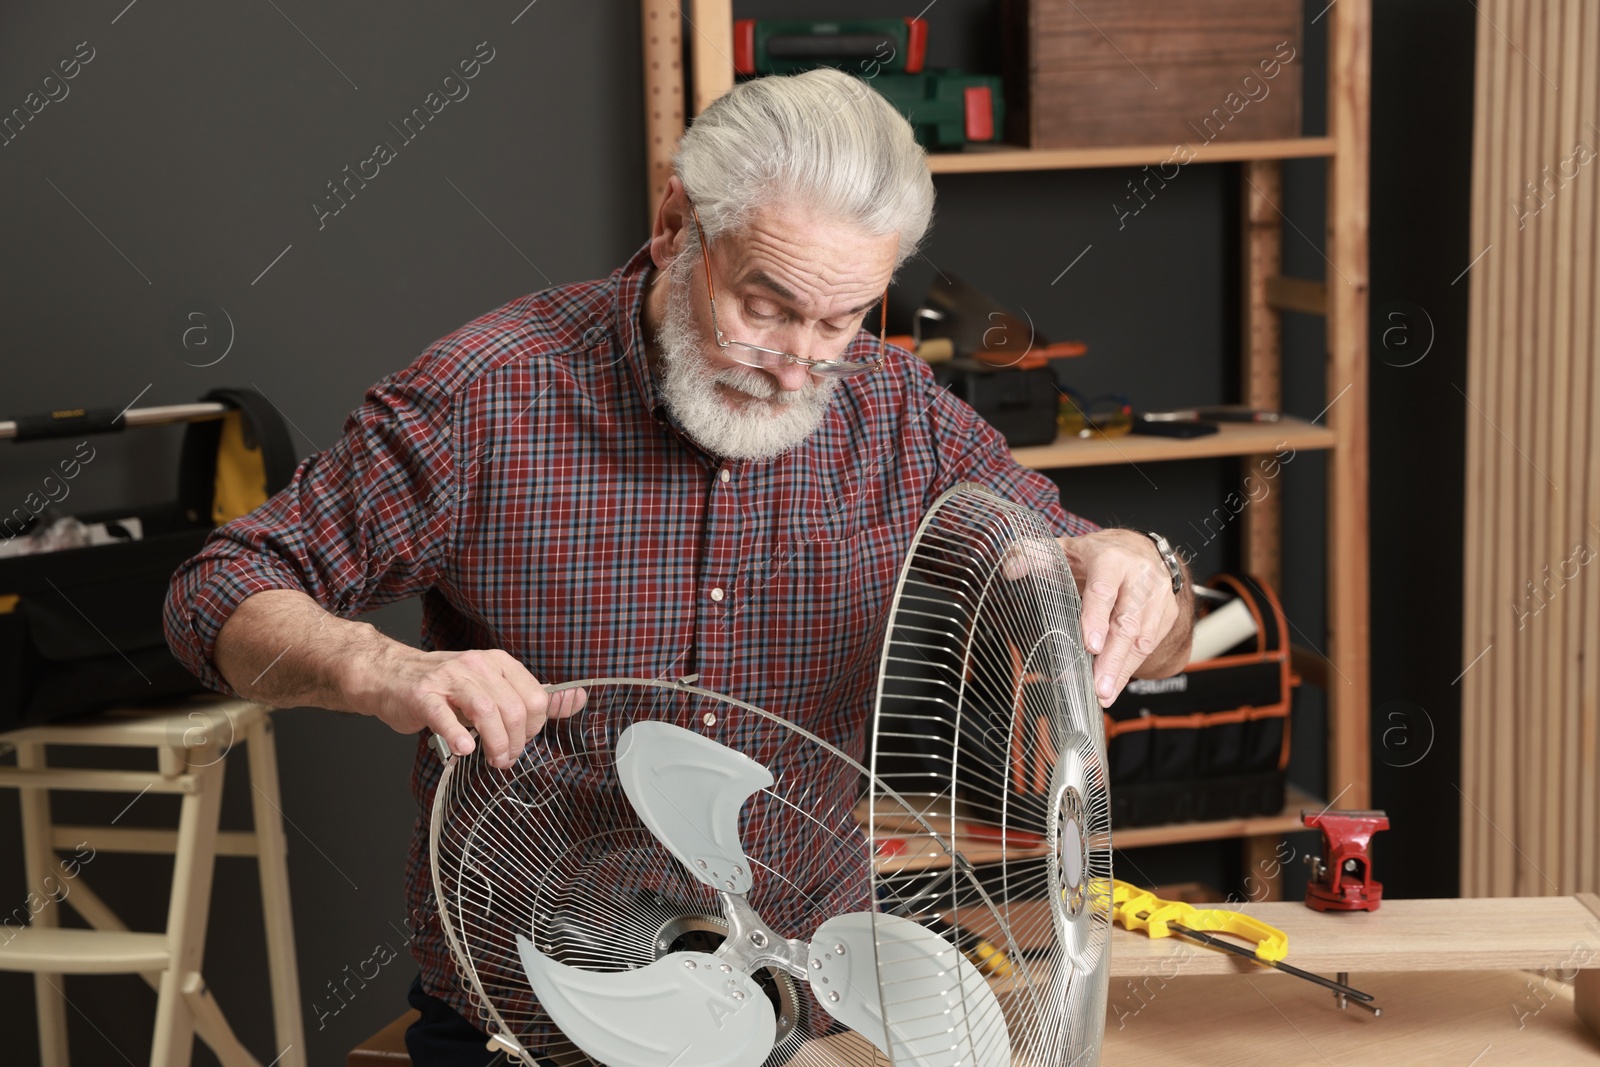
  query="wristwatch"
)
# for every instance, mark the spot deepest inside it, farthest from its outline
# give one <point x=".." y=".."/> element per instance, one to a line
<point x="1170" y="558"/>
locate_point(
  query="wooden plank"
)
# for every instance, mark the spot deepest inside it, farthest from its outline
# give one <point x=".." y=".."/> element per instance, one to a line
<point x="1559" y="708"/>
<point x="272" y="864"/>
<point x="711" y="46"/>
<point x="1263" y="868"/>
<point x="56" y="952"/>
<point x="1233" y="439"/>
<point x="148" y="841"/>
<point x="1349" y="103"/>
<point x="1497" y="813"/>
<point x="93" y="781"/>
<point x="208" y="1019"/>
<point x="1248" y="1021"/>
<point x="1261" y="527"/>
<point x="1474" y="933"/>
<point x="1523" y="816"/>
<point x="1586" y="987"/>
<point x="661" y="33"/>
<point x="1298" y="294"/>
<point x="985" y="159"/>
<point x="1586" y="720"/>
<point x="39" y="864"/>
<point x="196" y="722"/>
<point x="188" y="910"/>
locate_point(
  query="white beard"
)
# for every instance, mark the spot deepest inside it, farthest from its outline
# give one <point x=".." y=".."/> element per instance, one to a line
<point x="765" y="429"/>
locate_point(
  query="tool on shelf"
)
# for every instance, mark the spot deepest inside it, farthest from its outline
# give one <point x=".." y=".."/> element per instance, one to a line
<point x="1341" y="878"/>
<point x="1213" y="413"/>
<point x="1139" y="909"/>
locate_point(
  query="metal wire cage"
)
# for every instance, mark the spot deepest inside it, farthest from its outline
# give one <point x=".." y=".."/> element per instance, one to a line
<point x="988" y="803"/>
<point x="982" y="818"/>
<point x="552" y="847"/>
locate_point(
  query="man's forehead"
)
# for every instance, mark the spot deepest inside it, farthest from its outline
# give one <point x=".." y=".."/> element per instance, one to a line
<point x="758" y="278"/>
<point x="800" y="259"/>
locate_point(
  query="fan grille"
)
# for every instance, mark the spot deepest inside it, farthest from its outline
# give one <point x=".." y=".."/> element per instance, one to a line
<point x="551" y="847"/>
<point x="988" y="797"/>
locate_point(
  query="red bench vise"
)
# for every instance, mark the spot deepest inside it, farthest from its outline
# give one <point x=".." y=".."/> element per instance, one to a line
<point x="1341" y="878"/>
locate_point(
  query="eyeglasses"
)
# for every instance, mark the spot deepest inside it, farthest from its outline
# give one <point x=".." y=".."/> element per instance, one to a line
<point x="771" y="358"/>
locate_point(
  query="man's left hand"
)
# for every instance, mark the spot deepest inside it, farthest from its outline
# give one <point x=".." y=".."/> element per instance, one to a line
<point x="1133" y="623"/>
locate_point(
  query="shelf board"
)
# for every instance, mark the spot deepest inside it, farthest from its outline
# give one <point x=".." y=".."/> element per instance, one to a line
<point x="916" y="851"/>
<point x="1233" y="439"/>
<point x="976" y="159"/>
<point x="1286" y="821"/>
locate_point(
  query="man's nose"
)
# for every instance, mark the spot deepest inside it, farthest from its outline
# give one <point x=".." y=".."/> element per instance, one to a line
<point x="792" y="377"/>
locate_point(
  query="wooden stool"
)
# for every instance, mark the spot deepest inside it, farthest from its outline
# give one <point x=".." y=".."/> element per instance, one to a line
<point x="192" y="740"/>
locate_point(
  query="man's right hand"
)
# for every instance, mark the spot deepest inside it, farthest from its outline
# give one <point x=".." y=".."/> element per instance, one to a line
<point x="280" y="647"/>
<point x="452" y="692"/>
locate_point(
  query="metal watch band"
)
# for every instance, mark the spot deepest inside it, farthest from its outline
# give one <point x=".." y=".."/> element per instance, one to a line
<point x="1170" y="558"/>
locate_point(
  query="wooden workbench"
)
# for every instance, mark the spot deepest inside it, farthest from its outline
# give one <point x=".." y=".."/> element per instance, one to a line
<point x="1448" y="974"/>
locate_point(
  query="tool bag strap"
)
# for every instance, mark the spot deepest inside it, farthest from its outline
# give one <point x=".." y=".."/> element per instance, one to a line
<point x="231" y="465"/>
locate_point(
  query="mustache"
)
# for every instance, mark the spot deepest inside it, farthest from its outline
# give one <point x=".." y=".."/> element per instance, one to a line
<point x="761" y="386"/>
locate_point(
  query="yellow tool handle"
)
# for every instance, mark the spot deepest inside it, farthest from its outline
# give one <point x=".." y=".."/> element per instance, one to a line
<point x="1139" y="909"/>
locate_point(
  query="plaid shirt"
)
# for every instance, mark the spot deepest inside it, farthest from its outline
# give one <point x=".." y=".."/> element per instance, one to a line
<point x="525" y="478"/>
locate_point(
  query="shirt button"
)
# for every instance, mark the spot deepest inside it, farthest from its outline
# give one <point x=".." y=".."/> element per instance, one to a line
<point x="716" y="594"/>
<point x="725" y="474"/>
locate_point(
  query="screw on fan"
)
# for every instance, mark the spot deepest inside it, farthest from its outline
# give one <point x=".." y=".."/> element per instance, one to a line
<point x="705" y="933"/>
<point x="899" y="985"/>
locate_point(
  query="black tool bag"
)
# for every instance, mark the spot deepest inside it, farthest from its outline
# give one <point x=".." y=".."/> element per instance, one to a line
<point x="80" y="628"/>
<point x="1212" y="742"/>
<point x="1021" y="404"/>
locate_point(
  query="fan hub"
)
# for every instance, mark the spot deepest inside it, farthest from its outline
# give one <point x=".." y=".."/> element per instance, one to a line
<point x="1072" y="851"/>
<point x="707" y="933"/>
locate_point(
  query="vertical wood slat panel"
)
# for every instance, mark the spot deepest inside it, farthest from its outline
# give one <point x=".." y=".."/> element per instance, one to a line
<point x="1481" y="321"/>
<point x="1587" y="746"/>
<point x="1583" y="55"/>
<point x="1530" y="789"/>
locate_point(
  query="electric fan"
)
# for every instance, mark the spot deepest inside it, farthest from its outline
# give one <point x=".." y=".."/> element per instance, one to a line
<point x="676" y="877"/>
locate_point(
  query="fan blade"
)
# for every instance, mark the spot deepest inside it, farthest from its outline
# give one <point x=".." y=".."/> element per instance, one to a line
<point x="908" y="991"/>
<point x="688" y="790"/>
<point x="686" y="1008"/>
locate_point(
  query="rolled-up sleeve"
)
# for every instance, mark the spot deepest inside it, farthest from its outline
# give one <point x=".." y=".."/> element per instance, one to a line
<point x="361" y="524"/>
<point x="968" y="449"/>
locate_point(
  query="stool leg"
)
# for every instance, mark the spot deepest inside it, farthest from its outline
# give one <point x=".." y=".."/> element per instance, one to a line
<point x="272" y="862"/>
<point x="194" y="859"/>
<point x="39" y="862"/>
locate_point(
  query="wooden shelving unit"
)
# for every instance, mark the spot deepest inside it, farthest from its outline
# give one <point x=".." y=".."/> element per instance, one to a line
<point x="1232" y="439"/>
<point x="1341" y="299"/>
<point x="988" y="158"/>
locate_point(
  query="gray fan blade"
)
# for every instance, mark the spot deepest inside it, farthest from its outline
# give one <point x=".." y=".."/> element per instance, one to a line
<point x="908" y="991"/>
<point x="688" y="1008"/>
<point x="688" y="790"/>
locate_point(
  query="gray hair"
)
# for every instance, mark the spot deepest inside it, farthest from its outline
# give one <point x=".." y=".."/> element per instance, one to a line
<point x="824" y="139"/>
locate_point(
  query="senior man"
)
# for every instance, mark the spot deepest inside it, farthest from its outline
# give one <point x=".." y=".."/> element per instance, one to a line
<point x="702" y="464"/>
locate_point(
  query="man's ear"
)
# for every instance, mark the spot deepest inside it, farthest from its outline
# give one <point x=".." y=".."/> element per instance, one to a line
<point x="671" y="231"/>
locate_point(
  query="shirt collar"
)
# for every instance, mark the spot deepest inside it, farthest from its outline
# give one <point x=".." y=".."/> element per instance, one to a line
<point x="633" y="282"/>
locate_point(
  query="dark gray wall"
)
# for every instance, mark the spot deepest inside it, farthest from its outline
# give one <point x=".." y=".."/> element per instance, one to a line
<point x="186" y="159"/>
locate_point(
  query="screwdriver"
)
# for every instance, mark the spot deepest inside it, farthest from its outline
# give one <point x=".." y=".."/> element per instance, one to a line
<point x="1286" y="968"/>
